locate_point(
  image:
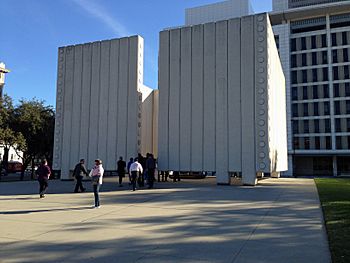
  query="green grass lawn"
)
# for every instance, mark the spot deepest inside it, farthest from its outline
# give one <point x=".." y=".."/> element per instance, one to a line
<point x="335" y="198"/>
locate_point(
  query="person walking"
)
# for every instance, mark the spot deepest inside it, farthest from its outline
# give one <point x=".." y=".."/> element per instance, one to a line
<point x="96" y="179"/>
<point x="43" y="173"/>
<point x="136" y="171"/>
<point x="150" y="166"/>
<point x="79" y="172"/>
<point x="129" y="164"/>
<point x="121" y="165"/>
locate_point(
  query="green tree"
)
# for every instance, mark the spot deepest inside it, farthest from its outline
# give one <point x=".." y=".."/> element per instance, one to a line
<point x="8" y="137"/>
<point x="36" y="122"/>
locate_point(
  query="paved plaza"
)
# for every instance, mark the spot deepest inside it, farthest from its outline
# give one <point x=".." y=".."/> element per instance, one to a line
<point x="278" y="221"/>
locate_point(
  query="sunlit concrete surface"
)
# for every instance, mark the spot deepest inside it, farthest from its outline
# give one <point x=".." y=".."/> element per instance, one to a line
<point x="279" y="220"/>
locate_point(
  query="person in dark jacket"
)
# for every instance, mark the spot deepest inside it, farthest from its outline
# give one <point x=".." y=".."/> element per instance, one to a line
<point x="121" y="165"/>
<point x="150" y="167"/>
<point x="43" y="173"/>
<point x="79" y="172"/>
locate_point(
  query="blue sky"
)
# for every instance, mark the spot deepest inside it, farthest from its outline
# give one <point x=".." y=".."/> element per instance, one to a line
<point x="32" y="30"/>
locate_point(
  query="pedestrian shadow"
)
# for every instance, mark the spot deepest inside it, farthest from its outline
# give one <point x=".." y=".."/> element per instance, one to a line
<point x="20" y="212"/>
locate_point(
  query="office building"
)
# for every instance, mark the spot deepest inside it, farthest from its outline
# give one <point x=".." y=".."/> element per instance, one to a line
<point x="313" y="38"/>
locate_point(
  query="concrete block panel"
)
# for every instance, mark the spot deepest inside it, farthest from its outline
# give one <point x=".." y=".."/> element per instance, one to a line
<point x="236" y="87"/>
<point x="209" y="91"/>
<point x="98" y="107"/>
<point x="197" y="110"/>
<point x="163" y="122"/>
<point x="185" y="99"/>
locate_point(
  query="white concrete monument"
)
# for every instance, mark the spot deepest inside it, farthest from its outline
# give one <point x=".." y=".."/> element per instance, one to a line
<point x="99" y="103"/>
<point x="222" y="100"/>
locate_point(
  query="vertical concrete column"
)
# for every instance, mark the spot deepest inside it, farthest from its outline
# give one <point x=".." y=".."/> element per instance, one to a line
<point x="197" y="99"/>
<point x="164" y="74"/>
<point x="104" y="106"/>
<point x="174" y="101"/>
<point x="209" y="122"/>
<point x="112" y="117"/>
<point x="248" y="101"/>
<point x="234" y="95"/>
<point x="221" y="150"/>
<point x="123" y="97"/>
<point x="85" y="103"/>
<point x="68" y="111"/>
<point x="185" y="99"/>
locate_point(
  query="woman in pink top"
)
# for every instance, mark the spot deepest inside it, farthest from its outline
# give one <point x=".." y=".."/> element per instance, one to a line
<point x="96" y="178"/>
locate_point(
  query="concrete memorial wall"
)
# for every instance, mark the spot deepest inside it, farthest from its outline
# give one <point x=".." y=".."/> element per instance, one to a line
<point x="222" y="100"/>
<point x="99" y="103"/>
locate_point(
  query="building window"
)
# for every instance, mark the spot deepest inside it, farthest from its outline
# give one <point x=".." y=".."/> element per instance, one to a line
<point x="335" y="73"/>
<point x="327" y="125"/>
<point x="324" y="41"/>
<point x="325" y="74"/>
<point x="344" y="38"/>
<point x="316" y="109"/>
<point x="314" y="75"/>
<point x="315" y="92"/>
<point x="348" y="125"/>
<point x="295" y="110"/>
<point x="313" y="42"/>
<point x="303" y="60"/>
<point x="334" y="39"/>
<point x="348" y="107"/>
<point x="336" y="90"/>
<point x="293" y="44"/>
<point x="346" y="72"/>
<point x="347" y="89"/>
<point x="306" y="126"/>
<point x="296" y="143"/>
<point x="338" y="142"/>
<point x="325" y="91"/>
<point x="305" y="93"/>
<point x="294" y="77"/>
<point x="307" y="143"/>
<point x="316" y="126"/>
<point x="295" y="93"/>
<point x="303" y="43"/>
<point x="346" y="55"/>
<point x="337" y="107"/>
<point x="294" y="61"/>
<point x="306" y="109"/>
<point x="304" y="76"/>
<point x="335" y="56"/>
<point x="295" y="127"/>
<point x="326" y="108"/>
<point x="324" y="57"/>
<point x="314" y="58"/>
<point x="337" y="125"/>
<point x="317" y="143"/>
<point x="328" y="143"/>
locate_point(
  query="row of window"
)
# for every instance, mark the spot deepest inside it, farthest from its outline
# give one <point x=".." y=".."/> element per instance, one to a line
<point x="312" y="143"/>
<point x="342" y="125"/>
<point x="311" y="126"/>
<point x="341" y="72"/>
<point x="311" y="92"/>
<point x="309" y="75"/>
<point x="340" y="38"/>
<point x="313" y="109"/>
<point x="309" y="59"/>
<point x="310" y="42"/>
<point x="340" y="55"/>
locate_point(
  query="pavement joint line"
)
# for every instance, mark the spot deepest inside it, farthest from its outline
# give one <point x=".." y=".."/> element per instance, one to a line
<point x="236" y="255"/>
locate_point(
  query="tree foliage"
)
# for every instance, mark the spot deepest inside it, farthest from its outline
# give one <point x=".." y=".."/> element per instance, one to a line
<point x="29" y="126"/>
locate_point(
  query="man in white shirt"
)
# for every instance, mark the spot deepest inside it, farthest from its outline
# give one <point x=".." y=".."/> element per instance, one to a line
<point x="136" y="170"/>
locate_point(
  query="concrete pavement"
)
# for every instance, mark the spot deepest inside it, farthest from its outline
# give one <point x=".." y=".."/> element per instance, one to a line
<point x="192" y="221"/>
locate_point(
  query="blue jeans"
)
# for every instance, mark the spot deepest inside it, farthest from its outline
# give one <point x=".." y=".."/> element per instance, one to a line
<point x="96" y="194"/>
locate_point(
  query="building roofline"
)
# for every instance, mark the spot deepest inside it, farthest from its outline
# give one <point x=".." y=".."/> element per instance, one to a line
<point x="313" y="11"/>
